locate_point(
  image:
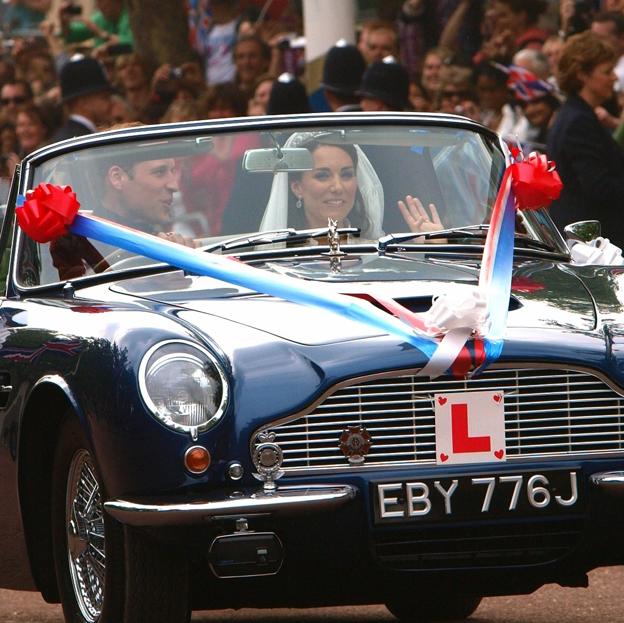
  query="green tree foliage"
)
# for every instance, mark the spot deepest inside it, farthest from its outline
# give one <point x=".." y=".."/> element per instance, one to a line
<point x="160" y="30"/>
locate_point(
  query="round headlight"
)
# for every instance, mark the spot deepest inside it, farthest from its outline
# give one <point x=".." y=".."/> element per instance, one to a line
<point x="183" y="386"/>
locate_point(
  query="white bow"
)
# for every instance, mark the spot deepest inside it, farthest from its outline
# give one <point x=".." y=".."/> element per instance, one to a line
<point x="598" y="251"/>
<point x="458" y="316"/>
<point x="464" y="309"/>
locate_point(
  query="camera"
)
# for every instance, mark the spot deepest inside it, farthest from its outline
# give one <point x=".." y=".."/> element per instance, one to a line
<point x="73" y="9"/>
<point x="118" y="49"/>
<point x="176" y="73"/>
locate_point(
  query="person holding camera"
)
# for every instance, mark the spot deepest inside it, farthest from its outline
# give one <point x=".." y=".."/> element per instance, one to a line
<point x="108" y="26"/>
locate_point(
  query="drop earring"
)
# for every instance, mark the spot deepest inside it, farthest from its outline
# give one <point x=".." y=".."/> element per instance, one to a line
<point x="299" y="203"/>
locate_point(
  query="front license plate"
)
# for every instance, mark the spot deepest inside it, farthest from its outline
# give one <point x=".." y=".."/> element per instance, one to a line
<point x="479" y="496"/>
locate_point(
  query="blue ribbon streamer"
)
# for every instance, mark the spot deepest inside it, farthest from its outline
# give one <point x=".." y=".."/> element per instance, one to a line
<point x="287" y="288"/>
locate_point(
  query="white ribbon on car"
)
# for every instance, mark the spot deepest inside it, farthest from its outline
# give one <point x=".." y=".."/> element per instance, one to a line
<point x="457" y="315"/>
<point x="598" y="251"/>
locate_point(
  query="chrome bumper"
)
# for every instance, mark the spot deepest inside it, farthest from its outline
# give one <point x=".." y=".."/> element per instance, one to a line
<point x="283" y="501"/>
<point x="613" y="482"/>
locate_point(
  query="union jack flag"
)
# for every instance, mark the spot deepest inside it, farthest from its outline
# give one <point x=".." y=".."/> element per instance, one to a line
<point x="524" y="83"/>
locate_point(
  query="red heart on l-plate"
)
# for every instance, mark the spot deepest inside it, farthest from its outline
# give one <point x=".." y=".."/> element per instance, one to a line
<point x="443" y="457"/>
<point x="499" y="454"/>
<point x="442" y="400"/>
<point x="497" y="397"/>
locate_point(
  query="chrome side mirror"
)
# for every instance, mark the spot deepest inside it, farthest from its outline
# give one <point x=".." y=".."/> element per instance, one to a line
<point x="582" y="231"/>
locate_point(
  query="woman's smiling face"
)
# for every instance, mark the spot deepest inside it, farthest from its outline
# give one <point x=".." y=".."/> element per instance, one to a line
<point x="328" y="191"/>
<point x="30" y="131"/>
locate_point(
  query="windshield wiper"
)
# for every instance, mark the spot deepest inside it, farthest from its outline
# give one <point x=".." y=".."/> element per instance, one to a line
<point x="470" y="231"/>
<point x="279" y="235"/>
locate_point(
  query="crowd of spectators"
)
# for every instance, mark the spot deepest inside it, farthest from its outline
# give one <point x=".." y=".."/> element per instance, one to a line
<point x="547" y="75"/>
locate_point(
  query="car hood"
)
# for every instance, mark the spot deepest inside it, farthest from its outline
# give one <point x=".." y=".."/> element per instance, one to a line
<point x="544" y="295"/>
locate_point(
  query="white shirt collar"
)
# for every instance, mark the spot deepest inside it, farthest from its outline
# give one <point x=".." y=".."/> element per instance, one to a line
<point x="86" y="122"/>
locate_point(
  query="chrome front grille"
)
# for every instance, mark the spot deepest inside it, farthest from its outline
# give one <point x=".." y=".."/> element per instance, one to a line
<point x="548" y="413"/>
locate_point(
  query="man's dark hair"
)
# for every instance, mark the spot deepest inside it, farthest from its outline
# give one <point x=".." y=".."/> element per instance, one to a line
<point x="615" y="17"/>
<point x="25" y="85"/>
<point x="265" y="49"/>
<point x="532" y="8"/>
<point x="489" y="70"/>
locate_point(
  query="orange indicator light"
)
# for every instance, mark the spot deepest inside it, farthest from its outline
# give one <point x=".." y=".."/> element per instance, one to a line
<point x="197" y="459"/>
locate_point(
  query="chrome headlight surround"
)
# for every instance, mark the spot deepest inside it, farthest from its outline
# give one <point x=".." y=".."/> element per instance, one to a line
<point x="184" y="386"/>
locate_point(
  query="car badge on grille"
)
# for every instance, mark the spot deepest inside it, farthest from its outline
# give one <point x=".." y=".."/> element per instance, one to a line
<point x="355" y="443"/>
<point x="267" y="457"/>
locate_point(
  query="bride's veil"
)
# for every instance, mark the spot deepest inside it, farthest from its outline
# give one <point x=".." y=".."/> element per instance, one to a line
<point x="276" y="213"/>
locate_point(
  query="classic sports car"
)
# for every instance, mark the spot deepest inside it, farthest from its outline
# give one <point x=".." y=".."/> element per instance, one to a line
<point x="286" y="362"/>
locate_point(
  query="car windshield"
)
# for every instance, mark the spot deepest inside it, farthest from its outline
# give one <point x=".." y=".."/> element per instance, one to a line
<point x="207" y="186"/>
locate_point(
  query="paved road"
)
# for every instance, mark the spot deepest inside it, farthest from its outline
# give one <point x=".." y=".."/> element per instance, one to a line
<point x="602" y="602"/>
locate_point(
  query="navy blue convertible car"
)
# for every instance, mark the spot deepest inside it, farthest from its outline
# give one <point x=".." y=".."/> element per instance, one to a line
<point x="173" y="438"/>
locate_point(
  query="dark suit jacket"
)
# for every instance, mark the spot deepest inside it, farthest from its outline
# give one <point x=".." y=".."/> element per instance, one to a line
<point x="591" y="166"/>
<point x="70" y="129"/>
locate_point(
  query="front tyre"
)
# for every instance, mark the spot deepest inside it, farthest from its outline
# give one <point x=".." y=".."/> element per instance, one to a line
<point x="107" y="573"/>
<point x="88" y="545"/>
<point x="447" y="608"/>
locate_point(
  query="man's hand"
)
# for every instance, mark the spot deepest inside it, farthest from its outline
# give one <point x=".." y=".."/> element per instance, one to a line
<point x="567" y="9"/>
<point x="606" y="119"/>
<point x="172" y="236"/>
<point x="413" y="8"/>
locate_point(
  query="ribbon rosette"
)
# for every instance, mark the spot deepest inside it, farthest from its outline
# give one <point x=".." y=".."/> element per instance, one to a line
<point x="536" y="184"/>
<point x="49" y="211"/>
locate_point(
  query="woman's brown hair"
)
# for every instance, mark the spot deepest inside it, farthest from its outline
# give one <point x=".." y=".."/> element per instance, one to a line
<point x="582" y="53"/>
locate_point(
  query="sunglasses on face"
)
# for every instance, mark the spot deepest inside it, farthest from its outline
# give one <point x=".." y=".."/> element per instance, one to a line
<point x="19" y="99"/>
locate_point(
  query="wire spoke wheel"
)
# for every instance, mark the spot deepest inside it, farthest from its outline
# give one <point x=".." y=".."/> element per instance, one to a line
<point x="86" y="543"/>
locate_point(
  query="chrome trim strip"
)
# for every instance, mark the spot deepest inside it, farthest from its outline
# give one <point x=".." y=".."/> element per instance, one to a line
<point x="609" y="481"/>
<point x="284" y="501"/>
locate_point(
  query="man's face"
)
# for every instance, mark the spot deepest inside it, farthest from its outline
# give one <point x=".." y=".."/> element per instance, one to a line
<point x="110" y="9"/>
<point x="98" y="108"/>
<point x="132" y="76"/>
<point x="492" y="95"/>
<point x="377" y="44"/>
<point x="613" y="5"/>
<point x="607" y="31"/>
<point x="538" y="112"/>
<point x="552" y="49"/>
<point x="11" y="97"/>
<point x="431" y="79"/>
<point x="146" y="190"/>
<point x="372" y="104"/>
<point x="249" y="61"/>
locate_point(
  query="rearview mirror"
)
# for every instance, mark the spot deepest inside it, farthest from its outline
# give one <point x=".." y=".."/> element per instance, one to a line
<point x="273" y="160"/>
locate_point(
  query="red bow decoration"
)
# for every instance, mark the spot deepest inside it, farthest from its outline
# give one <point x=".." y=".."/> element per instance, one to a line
<point x="535" y="182"/>
<point x="47" y="212"/>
